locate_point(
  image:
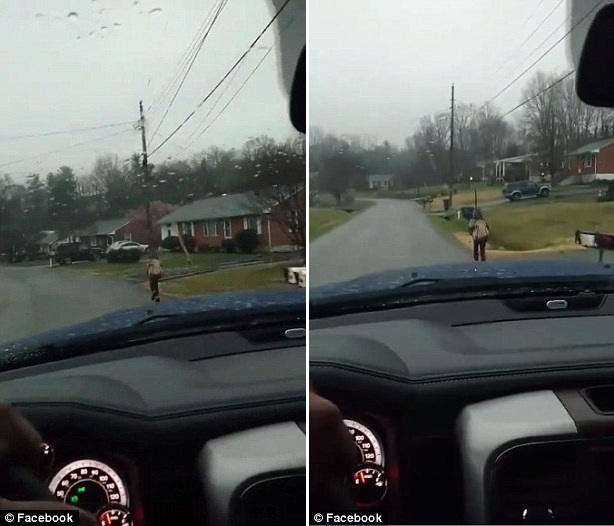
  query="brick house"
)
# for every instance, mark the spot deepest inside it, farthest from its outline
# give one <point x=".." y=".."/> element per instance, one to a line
<point x="213" y="220"/>
<point x="105" y="232"/>
<point x="592" y="161"/>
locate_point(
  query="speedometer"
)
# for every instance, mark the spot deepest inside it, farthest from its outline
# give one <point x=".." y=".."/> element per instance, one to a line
<point x="90" y="485"/>
<point x="369" y="446"/>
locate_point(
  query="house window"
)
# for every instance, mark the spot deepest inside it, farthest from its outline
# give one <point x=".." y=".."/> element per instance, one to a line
<point x="210" y="228"/>
<point x="294" y="222"/>
<point x="128" y="236"/>
<point x="186" y="229"/>
<point x="253" y="223"/>
<point x="227" y="229"/>
<point x="94" y="242"/>
<point x="588" y="161"/>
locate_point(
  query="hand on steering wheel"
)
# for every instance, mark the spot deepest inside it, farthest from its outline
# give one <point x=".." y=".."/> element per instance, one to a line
<point x="21" y="451"/>
<point x="332" y="456"/>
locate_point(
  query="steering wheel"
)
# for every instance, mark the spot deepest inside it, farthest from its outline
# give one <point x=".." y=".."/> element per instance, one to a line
<point x="21" y="484"/>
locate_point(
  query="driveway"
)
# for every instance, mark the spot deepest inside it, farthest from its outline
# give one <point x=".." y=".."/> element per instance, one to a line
<point x="392" y="234"/>
<point x="37" y="299"/>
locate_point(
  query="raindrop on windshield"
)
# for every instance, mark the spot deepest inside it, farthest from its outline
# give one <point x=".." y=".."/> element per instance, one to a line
<point x="104" y="28"/>
<point x="162" y="181"/>
<point x="156" y="11"/>
<point x="73" y="17"/>
<point x="117" y="25"/>
<point x="40" y="15"/>
<point x="92" y="33"/>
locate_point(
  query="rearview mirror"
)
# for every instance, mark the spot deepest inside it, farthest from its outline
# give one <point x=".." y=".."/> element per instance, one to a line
<point x="595" y="71"/>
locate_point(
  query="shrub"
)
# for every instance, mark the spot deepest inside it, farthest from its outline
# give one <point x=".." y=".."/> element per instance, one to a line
<point x="132" y="255"/>
<point x="229" y="245"/>
<point x="247" y="241"/>
<point x="172" y="243"/>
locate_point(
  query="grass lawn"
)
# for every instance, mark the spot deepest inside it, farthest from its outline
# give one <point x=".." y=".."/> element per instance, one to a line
<point x="244" y="278"/>
<point x="448" y="226"/>
<point x="533" y="227"/>
<point x="537" y="224"/>
<point x="323" y="220"/>
<point x="200" y="261"/>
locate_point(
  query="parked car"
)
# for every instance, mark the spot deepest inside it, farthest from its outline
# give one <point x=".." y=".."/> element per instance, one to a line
<point x="127" y="245"/>
<point x="67" y="253"/>
<point x="521" y="189"/>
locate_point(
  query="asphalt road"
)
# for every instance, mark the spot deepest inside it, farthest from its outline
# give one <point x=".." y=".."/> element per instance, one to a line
<point x="37" y="299"/>
<point x="392" y="234"/>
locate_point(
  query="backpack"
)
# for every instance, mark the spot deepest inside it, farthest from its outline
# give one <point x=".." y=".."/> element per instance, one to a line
<point x="480" y="230"/>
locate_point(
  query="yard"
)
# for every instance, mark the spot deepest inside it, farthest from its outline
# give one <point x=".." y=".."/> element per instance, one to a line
<point x="251" y="277"/>
<point x="466" y="197"/>
<point x="324" y="219"/>
<point x="538" y="224"/>
<point x="170" y="261"/>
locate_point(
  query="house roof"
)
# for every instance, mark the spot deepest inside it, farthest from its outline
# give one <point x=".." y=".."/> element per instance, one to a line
<point x="229" y="205"/>
<point x="47" y="237"/>
<point x="592" y="147"/>
<point x="103" y="228"/>
<point x="517" y="159"/>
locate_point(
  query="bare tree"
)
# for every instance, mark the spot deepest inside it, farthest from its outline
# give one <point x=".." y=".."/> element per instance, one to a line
<point x="542" y="116"/>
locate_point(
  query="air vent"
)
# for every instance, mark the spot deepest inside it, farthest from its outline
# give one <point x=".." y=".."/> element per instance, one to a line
<point x="562" y="304"/>
<point x="278" y="500"/>
<point x="536" y="484"/>
<point x="275" y="334"/>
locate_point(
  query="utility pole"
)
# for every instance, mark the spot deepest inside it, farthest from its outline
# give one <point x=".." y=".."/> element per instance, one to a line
<point x="146" y="178"/>
<point x="452" y="146"/>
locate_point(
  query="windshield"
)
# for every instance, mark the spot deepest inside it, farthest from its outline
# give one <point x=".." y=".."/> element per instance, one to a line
<point x="148" y="156"/>
<point x="451" y="133"/>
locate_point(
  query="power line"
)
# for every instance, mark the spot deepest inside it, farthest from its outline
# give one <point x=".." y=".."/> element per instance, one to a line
<point x="63" y="149"/>
<point x="204" y="119"/>
<point x="183" y="61"/>
<point x="538" y="47"/>
<point x="251" y="74"/>
<point x="235" y="65"/>
<point x="64" y="132"/>
<point x="533" y="32"/>
<point x="543" y="55"/>
<point x="228" y="84"/>
<point x="540" y="93"/>
<point x="200" y="46"/>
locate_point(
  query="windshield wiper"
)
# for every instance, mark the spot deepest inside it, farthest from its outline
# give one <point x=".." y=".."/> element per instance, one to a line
<point x="425" y="290"/>
<point x="160" y="327"/>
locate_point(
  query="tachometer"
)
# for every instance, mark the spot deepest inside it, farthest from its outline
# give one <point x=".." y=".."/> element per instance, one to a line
<point x="370" y="448"/>
<point x="90" y="485"/>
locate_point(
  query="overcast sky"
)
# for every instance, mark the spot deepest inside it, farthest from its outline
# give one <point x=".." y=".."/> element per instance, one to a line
<point x="91" y="68"/>
<point x="377" y="66"/>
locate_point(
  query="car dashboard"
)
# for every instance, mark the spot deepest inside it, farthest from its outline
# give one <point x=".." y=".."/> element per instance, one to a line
<point x="475" y="412"/>
<point x="190" y="430"/>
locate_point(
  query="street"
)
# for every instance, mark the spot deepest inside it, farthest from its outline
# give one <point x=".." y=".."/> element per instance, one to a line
<point x="37" y="299"/>
<point x="390" y="235"/>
